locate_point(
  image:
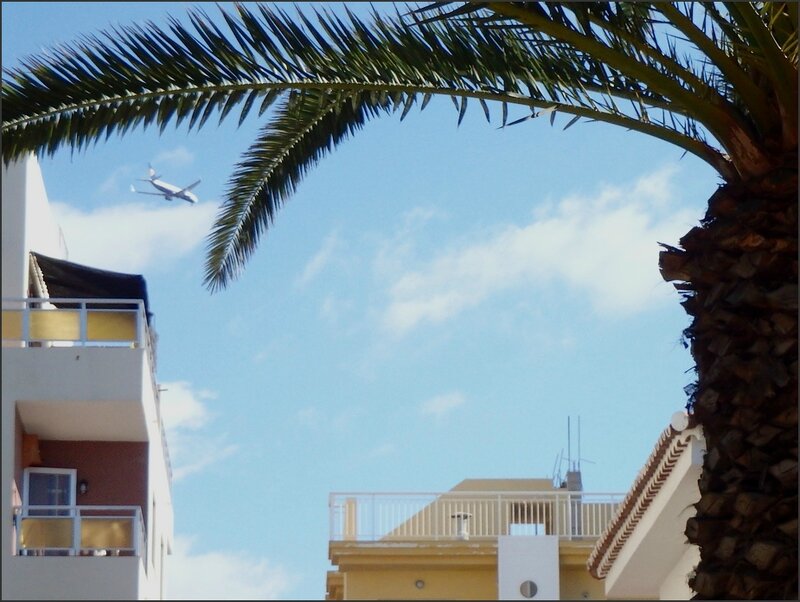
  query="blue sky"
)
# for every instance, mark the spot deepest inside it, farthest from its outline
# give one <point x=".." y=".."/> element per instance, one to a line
<point x="432" y="305"/>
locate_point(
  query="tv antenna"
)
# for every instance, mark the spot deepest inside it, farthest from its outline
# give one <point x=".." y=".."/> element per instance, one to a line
<point x="557" y="479"/>
<point x="573" y="465"/>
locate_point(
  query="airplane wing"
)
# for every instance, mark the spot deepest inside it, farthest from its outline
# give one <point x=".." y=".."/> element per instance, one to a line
<point x="188" y="188"/>
<point x="144" y="192"/>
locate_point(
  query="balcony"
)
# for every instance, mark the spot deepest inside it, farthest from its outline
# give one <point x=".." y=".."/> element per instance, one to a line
<point x="35" y="322"/>
<point x="464" y="515"/>
<point x="82" y="368"/>
<point x="79" y="531"/>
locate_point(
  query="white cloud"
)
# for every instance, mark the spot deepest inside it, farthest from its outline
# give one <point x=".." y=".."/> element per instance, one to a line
<point x="275" y="347"/>
<point x="185" y="415"/>
<point x="395" y="252"/>
<point x="134" y="236"/>
<point x="197" y="452"/>
<point x="310" y="417"/>
<point x="183" y="408"/>
<point x="384" y="449"/>
<point x="223" y="575"/>
<point x="174" y="157"/>
<point x="604" y="247"/>
<point x="333" y="308"/>
<point x="341" y="421"/>
<point x="441" y="405"/>
<point x="320" y="260"/>
<point x="111" y="185"/>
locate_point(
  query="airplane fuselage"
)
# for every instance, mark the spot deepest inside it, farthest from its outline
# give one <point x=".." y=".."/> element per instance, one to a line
<point x="167" y="190"/>
<point x="171" y="191"/>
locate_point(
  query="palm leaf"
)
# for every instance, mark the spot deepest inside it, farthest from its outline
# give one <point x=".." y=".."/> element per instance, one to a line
<point x="604" y="62"/>
<point x="306" y="126"/>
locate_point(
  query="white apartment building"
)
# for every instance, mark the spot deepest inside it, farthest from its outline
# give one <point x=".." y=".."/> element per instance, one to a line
<point x="85" y="466"/>
<point x="644" y="554"/>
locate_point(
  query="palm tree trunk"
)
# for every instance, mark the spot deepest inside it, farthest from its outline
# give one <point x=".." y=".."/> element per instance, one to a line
<point x="737" y="272"/>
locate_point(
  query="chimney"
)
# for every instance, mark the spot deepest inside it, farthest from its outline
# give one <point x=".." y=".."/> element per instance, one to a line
<point x="574" y="482"/>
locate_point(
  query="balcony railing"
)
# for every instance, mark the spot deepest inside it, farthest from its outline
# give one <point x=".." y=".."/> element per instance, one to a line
<point x="79" y="531"/>
<point x="78" y="322"/>
<point x="455" y="515"/>
<point x="38" y="322"/>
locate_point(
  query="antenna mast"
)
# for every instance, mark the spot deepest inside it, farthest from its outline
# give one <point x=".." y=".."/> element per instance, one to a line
<point x="569" y="445"/>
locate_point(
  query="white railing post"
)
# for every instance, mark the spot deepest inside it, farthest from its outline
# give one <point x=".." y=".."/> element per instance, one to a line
<point x="26" y="323"/>
<point x="76" y="531"/>
<point x="559" y="501"/>
<point x="137" y="532"/>
<point x="498" y="518"/>
<point x="140" y="314"/>
<point x="570" y="515"/>
<point x="18" y="529"/>
<point x="330" y="518"/>
<point x="83" y="324"/>
<point x="435" y="524"/>
<point x="373" y="509"/>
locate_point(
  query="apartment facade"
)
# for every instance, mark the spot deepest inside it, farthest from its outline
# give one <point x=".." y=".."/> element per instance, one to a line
<point x="485" y="539"/>
<point x="644" y="554"/>
<point x="87" y="510"/>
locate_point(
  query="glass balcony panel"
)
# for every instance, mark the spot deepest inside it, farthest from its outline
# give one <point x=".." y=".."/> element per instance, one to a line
<point x="50" y="533"/>
<point x="111" y="326"/>
<point x="55" y="325"/>
<point x="12" y="325"/>
<point x="107" y="533"/>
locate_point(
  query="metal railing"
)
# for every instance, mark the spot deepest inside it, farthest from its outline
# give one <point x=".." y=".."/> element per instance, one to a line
<point x="77" y="322"/>
<point x="39" y="322"/>
<point x="469" y="515"/>
<point x="80" y="531"/>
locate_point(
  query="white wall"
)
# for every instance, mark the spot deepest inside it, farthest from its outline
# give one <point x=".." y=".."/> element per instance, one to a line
<point x="107" y="392"/>
<point x="676" y="584"/>
<point x="71" y="578"/>
<point x="27" y="225"/>
<point x="76" y="373"/>
<point x="523" y="558"/>
<point x="658" y="545"/>
<point x="15" y="265"/>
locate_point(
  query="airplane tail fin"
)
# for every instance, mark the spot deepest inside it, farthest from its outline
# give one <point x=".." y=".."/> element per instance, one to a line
<point x="133" y="188"/>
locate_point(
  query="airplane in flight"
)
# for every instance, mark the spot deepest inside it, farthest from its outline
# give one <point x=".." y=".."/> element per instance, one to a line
<point x="167" y="190"/>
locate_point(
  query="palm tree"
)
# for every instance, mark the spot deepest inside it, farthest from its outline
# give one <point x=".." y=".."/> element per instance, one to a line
<point x="718" y="80"/>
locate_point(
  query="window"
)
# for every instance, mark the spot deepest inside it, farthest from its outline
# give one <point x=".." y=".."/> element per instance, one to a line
<point x="49" y="487"/>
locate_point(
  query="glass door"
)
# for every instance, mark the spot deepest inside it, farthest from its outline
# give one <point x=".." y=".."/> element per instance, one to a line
<point x="48" y="525"/>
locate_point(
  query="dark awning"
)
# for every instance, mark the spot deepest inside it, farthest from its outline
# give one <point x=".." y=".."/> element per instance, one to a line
<point x="71" y="280"/>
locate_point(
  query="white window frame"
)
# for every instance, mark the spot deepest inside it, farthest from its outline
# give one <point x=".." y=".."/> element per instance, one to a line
<point x="72" y="472"/>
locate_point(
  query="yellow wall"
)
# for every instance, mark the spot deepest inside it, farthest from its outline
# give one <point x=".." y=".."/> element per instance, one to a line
<point x="578" y="584"/>
<point x="474" y="583"/>
<point x="439" y="584"/>
<point x="449" y="572"/>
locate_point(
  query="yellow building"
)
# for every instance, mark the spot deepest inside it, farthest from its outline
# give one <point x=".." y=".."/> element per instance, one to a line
<point x="484" y="539"/>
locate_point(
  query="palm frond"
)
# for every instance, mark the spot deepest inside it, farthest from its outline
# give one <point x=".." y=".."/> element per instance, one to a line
<point x="780" y="69"/>
<point x="306" y="126"/>
<point x="143" y="75"/>
<point x="686" y="73"/>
